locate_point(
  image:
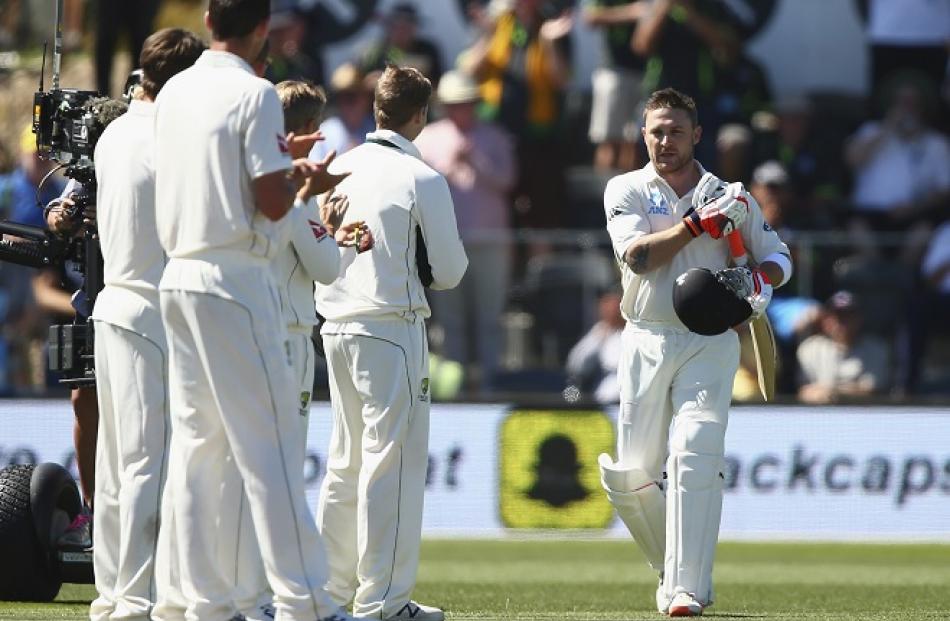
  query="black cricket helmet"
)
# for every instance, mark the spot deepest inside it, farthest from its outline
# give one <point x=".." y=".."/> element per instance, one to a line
<point x="705" y="304"/>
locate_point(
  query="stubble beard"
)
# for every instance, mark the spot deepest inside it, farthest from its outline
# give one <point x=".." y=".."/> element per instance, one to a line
<point x="681" y="162"/>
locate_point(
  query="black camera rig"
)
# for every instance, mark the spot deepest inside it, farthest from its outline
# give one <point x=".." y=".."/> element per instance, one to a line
<point x="67" y="129"/>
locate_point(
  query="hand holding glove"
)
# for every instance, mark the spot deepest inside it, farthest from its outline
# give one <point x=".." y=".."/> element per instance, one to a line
<point x="751" y="285"/>
<point x="720" y="216"/>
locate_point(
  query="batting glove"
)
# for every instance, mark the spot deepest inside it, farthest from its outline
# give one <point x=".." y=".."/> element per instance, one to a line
<point x="721" y="216"/>
<point x="709" y="188"/>
<point x="751" y="285"/>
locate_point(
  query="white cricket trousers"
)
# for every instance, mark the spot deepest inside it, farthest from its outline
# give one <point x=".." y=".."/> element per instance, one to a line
<point x="671" y="376"/>
<point x="252" y="590"/>
<point x="131" y="461"/>
<point x="231" y="395"/>
<point x="370" y="509"/>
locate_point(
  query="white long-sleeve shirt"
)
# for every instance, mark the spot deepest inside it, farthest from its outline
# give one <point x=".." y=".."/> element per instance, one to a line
<point x="133" y="258"/>
<point x="394" y="192"/>
<point x="641" y="202"/>
<point x="309" y="255"/>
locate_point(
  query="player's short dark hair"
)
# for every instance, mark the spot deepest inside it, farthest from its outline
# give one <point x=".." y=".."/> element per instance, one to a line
<point x="302" y="101"/>
<point x="400" y="94"/>
<point x="673" y="99"/>
<point x="166" y="53"/>
<point x="233" y="19"/>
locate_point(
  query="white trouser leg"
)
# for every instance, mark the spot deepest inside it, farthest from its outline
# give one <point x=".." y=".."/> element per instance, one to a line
<point x="303" y="363"/>
<point x="701" y="394"/>
<point x="134" y="428"/>
<point x="171" y="602"/>
<point x="645" y="374"/>
<point x="105" y="537"/>
<point x="238" y="395"/>
<point x="385" y="419"/>
<point x="252" y="591"/>
<point x="337" y="507"/>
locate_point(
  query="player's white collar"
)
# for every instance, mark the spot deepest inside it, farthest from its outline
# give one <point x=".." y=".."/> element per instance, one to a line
<point x="141" y="107"/>
<point x="220" y="58"/>
<point x="655" y="177"/>
<point x="398" y="140"/>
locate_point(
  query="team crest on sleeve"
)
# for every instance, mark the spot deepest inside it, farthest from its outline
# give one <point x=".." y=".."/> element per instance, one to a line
<point x="319" y="231"/>
<point x="282" y="144"/>
<point x="766" y="227"/>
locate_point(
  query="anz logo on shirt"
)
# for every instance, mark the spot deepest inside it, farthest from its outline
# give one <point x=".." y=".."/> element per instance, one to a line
<point x="658" y="204"/>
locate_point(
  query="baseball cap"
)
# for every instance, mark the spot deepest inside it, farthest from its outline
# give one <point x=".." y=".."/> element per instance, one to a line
<point x="770" y="173"/>
<point x="733" y="135"/>
<point x="457" y="87"/>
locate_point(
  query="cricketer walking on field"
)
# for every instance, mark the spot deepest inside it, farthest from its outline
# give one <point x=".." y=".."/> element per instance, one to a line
<point x="662" y="221"/>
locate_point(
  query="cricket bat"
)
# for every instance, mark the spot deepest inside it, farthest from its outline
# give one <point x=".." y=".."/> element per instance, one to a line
<point x="763" y="337"/>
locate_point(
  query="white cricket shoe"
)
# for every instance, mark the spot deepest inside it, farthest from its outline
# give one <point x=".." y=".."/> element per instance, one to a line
<point x="417" y="612"/>
<point x="685" y="605"/>
<point x="662" y="599"/>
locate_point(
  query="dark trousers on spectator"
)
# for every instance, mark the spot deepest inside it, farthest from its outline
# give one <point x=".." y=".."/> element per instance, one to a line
<point x="112" y="16"/>
<point x="927" y="312"/>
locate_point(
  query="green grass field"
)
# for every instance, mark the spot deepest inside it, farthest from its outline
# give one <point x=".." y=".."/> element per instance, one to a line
<point x="593" y="580"/>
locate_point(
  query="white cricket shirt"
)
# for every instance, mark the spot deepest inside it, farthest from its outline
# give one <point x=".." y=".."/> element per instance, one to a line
<point x="310" y="255"/>
<point x="218" y="126"/>
<point x="125" y="214"/>
<point x="393" y="191"/>
<point x="641" y="202"/>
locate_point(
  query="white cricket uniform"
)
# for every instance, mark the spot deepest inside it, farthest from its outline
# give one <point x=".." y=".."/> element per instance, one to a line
<point x="217" y="128"/>
<point x="669" y="375"/>
<point x="131" y="371"/>
<point x="370" y="510"/>
<point x="309" y="255"/>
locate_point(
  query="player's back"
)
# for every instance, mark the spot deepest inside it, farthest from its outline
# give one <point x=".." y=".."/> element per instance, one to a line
<point x="382" y="191"/>
<point x="203" y="161"/>
<point x="125" y="202"/>
<point x="133" y="258"/>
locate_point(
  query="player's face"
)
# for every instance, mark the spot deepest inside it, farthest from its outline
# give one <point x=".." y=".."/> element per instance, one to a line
<point x="670" y="137"/>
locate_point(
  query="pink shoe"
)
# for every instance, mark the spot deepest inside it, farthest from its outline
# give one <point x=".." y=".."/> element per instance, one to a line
<point x="79" y="532"/>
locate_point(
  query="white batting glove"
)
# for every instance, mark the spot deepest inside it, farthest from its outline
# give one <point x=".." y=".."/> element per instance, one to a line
<point x="720" y="216"/>
<point x="709" y="188"/>
<point x="752" y="285"/>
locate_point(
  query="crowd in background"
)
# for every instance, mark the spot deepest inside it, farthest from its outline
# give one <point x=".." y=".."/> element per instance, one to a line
<point x="860" y="187"/>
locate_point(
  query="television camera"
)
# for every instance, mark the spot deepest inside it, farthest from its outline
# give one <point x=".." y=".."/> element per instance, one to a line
<point x="67" y="126"/>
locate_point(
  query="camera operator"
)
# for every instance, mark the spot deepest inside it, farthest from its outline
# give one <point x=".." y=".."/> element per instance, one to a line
<point x="63" y="219"/>
<point x="130" y="346"/>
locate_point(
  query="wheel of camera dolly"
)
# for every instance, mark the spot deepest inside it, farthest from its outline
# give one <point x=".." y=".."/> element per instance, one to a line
<point x="37" y="503"/>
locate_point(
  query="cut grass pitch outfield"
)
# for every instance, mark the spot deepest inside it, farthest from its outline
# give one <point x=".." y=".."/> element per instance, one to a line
<point x="593" y="580"/>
